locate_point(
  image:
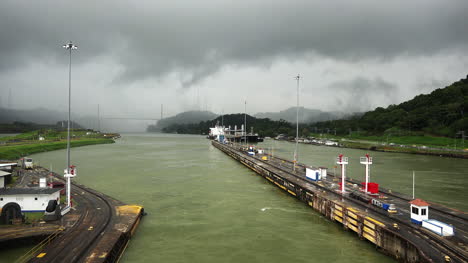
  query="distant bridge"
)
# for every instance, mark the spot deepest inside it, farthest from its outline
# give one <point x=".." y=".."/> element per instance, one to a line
<point x="130" y="118"/>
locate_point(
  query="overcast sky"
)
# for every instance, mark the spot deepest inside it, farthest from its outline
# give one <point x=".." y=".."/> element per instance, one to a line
<point x="134" y="56"/>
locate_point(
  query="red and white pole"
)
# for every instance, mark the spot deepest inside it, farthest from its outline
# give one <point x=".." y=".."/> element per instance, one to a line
<point x="367" y="160"/>
<point x="367" y="171"/>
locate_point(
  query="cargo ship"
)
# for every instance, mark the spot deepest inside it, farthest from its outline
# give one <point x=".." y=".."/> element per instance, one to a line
<point x="228" y="134"/>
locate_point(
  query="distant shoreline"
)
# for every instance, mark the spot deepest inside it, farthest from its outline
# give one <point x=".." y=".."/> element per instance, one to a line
<point x="17" y="148"/>
<point x="389" y="149"/>
<point x="412" y="151"/>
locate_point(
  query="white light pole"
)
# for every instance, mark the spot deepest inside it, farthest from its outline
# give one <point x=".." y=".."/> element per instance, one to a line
<point x="297" y="123"/>
<point x="98" y="119"/>
<point x="245" y="123"/>
<point x="68" y="175"/>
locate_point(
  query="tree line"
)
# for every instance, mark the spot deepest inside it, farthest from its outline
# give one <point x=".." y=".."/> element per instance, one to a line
<point x="442" y="113"/>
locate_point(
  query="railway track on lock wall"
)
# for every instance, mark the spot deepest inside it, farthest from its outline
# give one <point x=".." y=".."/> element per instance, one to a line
<point x="442" y="214"/>
<point x="462" y="219"/>
<point x="75" y="243"/>
<point x="104" y="226"/>
<point x="457" y="253"/>
<point x="454" y="253"/>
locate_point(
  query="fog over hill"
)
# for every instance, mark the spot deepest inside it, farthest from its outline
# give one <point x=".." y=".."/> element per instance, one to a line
<point x="39" y="116"/>
<point x="305" y="115"/>
<point x="187" y="117"/>
<point x="44" y="116"/>
<point x="441" y="112"/>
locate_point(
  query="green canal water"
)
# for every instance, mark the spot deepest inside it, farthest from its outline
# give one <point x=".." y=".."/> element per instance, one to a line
<point x="205" y="207"/>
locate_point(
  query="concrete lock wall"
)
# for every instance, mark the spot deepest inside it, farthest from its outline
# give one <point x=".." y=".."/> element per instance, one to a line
<point x="352" y="218"/>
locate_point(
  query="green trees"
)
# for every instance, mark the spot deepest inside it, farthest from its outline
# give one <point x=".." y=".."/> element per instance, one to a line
<point x="441" y="112"/>
<point x="264" y="127"/>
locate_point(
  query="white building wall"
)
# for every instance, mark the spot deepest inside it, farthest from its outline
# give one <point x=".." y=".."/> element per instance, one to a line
<point x="419" y="217"/>
<point x="28" y="203"/>
<point x="313" y="174"/>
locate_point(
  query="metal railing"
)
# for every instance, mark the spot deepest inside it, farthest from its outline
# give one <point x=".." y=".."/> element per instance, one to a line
<point x="365" y="160"/>
<point x="33" y="251"/>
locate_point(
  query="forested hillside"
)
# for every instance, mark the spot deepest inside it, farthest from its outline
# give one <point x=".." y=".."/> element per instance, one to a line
<point x="441" y="112"/>
<point x="188" y="117"/>
<point x="305" y="115"/>
<point x="264" y="127"/>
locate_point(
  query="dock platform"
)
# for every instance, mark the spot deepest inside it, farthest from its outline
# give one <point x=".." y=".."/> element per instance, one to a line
<point x="97" y="229"/>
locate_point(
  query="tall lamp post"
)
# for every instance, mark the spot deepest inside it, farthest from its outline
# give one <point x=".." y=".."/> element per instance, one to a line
<point x="245" y="123"/>
<point x="297" y="123"/>
<point x="70" y="171"/>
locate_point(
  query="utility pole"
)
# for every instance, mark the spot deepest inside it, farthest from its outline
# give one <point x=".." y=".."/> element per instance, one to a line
<point x="297" y="123"/>
<point x="98" y="118"/>
<point x="69" y="171"/>
<point x="9" y="98"/>
<point x="69" y="47"/>
<point x="162" y="108"/>
<point x="245" y="122"/>
<point x="198" y="99"/>
<point x="462" y="137"/>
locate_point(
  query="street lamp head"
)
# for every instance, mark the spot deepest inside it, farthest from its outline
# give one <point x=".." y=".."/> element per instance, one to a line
<point x="70" y="46"/>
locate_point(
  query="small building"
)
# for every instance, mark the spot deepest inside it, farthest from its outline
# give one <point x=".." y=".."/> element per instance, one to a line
<point x="419" y="211"/>
<point x="8" y="167"/>
<point x="323" y="172"/>
<point x="313" y="174"/>
<point x="29" y="199"/>
<point x="5" y="177"/>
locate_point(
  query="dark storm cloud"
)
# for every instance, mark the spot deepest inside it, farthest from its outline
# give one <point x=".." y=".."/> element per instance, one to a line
<point x="357" y="94"/>
<point x="196" y="38"/>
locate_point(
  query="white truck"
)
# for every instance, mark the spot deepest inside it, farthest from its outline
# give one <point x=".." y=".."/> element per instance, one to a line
<point x="28" y="163"/>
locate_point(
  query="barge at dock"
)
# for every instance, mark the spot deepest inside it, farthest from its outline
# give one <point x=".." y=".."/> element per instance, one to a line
<point x="384" y="219"/>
